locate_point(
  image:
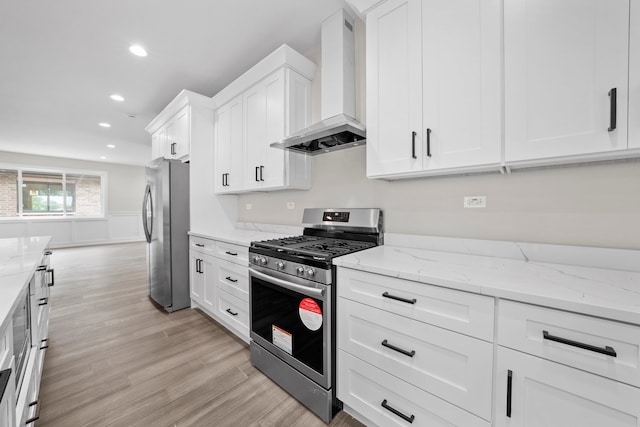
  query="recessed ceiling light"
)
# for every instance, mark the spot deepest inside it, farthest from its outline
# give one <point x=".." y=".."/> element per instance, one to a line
<point x="117" y="97"/>
<point x="103" y="157"/>
<point x="104" y="125"/>
<point x="111" y="146"/>
<point x="137" y="50"/>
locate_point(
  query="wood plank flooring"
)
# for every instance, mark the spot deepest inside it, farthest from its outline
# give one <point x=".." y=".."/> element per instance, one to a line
<point x="114" y="359"/>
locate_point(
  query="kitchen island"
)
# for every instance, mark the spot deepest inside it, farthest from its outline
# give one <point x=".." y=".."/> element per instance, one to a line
<point x="25" y="278"/>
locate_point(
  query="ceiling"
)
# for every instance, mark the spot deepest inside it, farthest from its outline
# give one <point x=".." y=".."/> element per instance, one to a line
<point x="61" y="60"/>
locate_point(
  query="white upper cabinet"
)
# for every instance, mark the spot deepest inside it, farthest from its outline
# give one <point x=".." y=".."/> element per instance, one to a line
<point x="566" y="77"/>
<point x="267" y="103"/>
<point x="228" y="137"/>
<point x="186" y="118"/>
<point x="394" y="88"/>
<point x="433" y="87"/>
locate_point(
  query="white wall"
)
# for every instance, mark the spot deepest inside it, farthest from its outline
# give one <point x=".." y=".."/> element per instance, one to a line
<point x="591" y="205"/>
<point x="122" y="223"/>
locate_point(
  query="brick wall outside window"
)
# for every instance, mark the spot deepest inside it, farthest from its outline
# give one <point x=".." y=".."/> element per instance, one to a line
<point x="8" y="193"/>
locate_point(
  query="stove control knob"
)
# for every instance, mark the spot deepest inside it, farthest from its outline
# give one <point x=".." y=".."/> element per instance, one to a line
<point x="280" y="265"/>
<point x="311" y="272"/>
<point x="300" y="270"/>
<point x="256" y="259"/>
<point x="264" y="261"/>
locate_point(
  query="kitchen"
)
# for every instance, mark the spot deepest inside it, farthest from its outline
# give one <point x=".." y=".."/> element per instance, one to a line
<point x="589" y="204"/>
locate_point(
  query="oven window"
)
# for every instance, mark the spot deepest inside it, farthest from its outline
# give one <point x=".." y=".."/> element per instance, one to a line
<point x="276" y="308"/>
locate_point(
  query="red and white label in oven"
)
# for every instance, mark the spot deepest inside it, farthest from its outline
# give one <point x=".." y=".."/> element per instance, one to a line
<point x="310" y="314"/>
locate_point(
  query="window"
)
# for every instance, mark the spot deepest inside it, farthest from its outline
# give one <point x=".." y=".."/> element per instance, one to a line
<point x="50" y="193"/>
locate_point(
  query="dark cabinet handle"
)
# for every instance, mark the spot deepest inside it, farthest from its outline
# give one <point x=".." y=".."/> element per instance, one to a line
<point x="411" y="353"/>
<point x="231" y="312"/>
<point x="408" y="301"/>
<point x="413" y="145"/>
<point x="613" y="95"/>
<point x="48" y="252"/>
<point x="396" y="412"/>
<point x="42" y="347"/>
<point x="37" y="415"/>
<point x="231" y="280"/>
<point x="41" y="268"/>
<point x="173" y="148"/>
<point x="4" y="380"/>
<point x="609" y="351"/>
<point x="52" y="282"/>
<point x="200" y="245"/>
<point x="198" y="268"/>
<point x="257" y="168"/>
<point x="231" y="253"/>
<point x="509" y="389"/>
<point x="428" y="142"/>
<point x="43" y="301"/>
<point x="261" y="170"/>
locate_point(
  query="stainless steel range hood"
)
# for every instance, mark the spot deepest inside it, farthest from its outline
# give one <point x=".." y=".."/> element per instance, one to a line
<point x="337" y="129"/>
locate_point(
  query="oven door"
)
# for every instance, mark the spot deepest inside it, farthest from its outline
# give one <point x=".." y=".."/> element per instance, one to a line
<point x="291" y="318"/>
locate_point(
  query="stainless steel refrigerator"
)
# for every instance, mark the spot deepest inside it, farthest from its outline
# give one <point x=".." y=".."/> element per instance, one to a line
<point x="165" y="219"/>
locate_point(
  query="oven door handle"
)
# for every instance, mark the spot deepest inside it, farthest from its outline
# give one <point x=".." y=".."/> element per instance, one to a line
<point x="318" y="293"/>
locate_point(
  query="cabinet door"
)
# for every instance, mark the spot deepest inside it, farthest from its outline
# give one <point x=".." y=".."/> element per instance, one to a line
<point x="255" y="128"/>
<point x="394" y="88"/>
<point x="562" y="60"/>
<point x="178" y="135"/>
<point x="461" y="83"/>
<point x="547" y="394"/>
<point x="229" y="146"/>
<point x="158" y="143"/>
<point x="196" y="280"/>
<point x="209" y="274"/>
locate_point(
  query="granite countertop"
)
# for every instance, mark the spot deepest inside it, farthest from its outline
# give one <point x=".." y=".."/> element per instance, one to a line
<point x="605" y="292"/>
<point x="19" y="258"/>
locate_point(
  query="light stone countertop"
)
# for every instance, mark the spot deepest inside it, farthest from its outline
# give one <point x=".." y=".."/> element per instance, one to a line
<point x="245" y="233"/>
<point x="612" y="293"/>
<point x="19" y="258"/>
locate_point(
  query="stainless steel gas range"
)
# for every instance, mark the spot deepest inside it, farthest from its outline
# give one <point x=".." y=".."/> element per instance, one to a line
<point x="293" y="302"/>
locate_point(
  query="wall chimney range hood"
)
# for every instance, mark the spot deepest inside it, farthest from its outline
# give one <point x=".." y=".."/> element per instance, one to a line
<point x="337" y="128"/>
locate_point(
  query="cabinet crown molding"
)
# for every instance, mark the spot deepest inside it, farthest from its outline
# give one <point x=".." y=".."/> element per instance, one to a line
<point x="185" y="97"/>
<point x="284" y="56"/>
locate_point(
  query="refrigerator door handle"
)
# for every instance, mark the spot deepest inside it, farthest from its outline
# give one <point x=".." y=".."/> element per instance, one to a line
<point x="147" y="203"/>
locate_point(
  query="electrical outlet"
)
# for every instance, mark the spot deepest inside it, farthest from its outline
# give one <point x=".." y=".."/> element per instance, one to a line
<point x="475" y="201"/>
<point x="291" y="205"/>
<point x="248" y="206"/>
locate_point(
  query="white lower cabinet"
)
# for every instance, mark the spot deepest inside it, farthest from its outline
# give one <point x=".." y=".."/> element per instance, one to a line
<point x="385" y="400"/>
<point x="534" y="392"/>
<point x="401" y="357"/>
<point x="220" y="283"/>
<point x="7" y="377"/>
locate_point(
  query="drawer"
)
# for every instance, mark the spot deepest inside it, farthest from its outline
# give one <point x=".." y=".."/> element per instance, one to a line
<point x="234" y="279"/>
<point x="452" y="366"/>
<point x="463" y="312"/>
<point x="233" y="311"/>
<point x="234" y="253"/>
<point x="365" y="388"/>
<point x="202" y="245"/>
<point x="522" y="327"/>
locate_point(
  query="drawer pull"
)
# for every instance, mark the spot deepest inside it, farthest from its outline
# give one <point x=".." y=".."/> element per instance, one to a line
<point x="396" y="412"/>
<point x="52" y="282"/>
<point x="509" y="389"/>
<point x="411" y="353"/>
<point x="231" y="253"/>
<point x="37" y="414"/>
<point x="408" y="301"/>
<point x="609" y="351"/>
<point x="43" y="301"/>
<point x="231" y="280"/>
<point x="200" y="245"/>
<point x="45" y="342"/>
<point x="41" y="268"/>
<point x="231" y="312"/>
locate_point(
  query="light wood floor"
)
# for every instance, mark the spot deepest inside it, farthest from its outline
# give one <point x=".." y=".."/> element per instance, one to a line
<point x="114" y="359"/>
